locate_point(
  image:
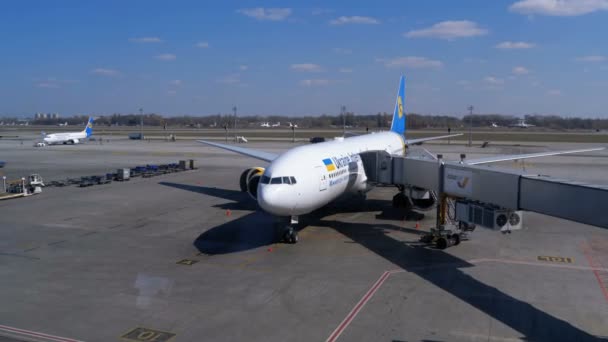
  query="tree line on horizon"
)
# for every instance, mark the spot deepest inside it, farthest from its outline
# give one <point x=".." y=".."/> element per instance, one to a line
<point x="373" y="121"/>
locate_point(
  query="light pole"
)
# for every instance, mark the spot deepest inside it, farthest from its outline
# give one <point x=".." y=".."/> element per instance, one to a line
<point x="4" y="183"/>
<point x="343" y="121"/>
<point x="141" y="123"/>
<point x="471" y="125"/>
<point x="234" y="110"/>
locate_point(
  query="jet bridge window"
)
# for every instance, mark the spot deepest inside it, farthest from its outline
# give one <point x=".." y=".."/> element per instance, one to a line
<point x="276" y="180"/>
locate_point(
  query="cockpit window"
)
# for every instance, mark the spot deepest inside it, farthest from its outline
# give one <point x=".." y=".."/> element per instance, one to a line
<point x="286" y="180"/>
<point x="276" y="180"/>
<point x="265" y="180"/>
<point x="293" y="179"/>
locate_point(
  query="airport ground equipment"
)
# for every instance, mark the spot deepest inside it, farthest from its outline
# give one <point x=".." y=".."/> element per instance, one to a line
<point x="123" y="174"/>
<point x="467" y="196"/>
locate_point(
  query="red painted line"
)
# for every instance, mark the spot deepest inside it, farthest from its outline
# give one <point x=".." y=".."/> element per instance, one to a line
<point x="353" y="313"/>
<point x="18" y="331"/>
<point x="593" y="263"/>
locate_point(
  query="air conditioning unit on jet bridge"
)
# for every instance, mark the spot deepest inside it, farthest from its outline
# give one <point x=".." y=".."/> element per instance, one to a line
<point x="488" y="216"/>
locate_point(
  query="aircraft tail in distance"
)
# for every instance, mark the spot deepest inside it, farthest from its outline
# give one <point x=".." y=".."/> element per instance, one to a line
<point x="398" y="124"/>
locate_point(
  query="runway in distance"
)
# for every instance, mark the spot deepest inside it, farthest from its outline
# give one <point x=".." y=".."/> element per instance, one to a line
<point x="308" y="177"/>
<point x="69" y="137"/>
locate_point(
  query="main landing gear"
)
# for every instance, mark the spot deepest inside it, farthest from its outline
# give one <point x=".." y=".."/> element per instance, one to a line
<point x="287" y="233"/>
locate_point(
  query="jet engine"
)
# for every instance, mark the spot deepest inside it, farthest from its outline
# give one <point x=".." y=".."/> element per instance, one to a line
<point x="422" y="199"/>
<point x="250" y="178"/>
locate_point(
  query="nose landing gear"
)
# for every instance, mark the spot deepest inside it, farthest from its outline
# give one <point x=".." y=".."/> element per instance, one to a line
<point x="287" y="233"/>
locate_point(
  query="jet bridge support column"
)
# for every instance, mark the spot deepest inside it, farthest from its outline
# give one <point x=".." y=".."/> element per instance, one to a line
<point x="444" y="234"/>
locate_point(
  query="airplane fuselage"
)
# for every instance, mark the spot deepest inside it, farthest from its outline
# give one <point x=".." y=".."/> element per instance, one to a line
<point x="64" y="138"/>
<point x="322" y="173"/>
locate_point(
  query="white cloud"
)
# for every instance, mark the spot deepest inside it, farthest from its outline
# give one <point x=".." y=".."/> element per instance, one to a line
<point x="519" y="70"/>
<point x="515" y="45"/>
<point x="321" y="11"/>
<point x="105" y="72"/>
<point x="269" y="14"/>
<point x="592" y="59"/>
<point x="494" y="81"/>
<point x="308" y="67"/>
<point x="47" y="85"/>
<point x="243" y="67"/>
<point x="345" y="70"/>
<point x="202" y="45"/>
<point x="342" y="51"/>
<point x="449" y="30"/>
<point x="146" y="40"/>
<point x="554" y="92"/>
<point x="176" y="83"/>
<point x="166" y="57"/>
<point x="354" y="20"/>
<point x="315" y="82"/>
<point x="413" y="62"/>
<point x="562" y="8"/>
<point x="230" y="79"/>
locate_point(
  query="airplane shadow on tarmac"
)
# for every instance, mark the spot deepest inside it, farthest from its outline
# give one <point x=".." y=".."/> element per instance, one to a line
<point x="257" y="228"/>
<point x="439" y="268"/>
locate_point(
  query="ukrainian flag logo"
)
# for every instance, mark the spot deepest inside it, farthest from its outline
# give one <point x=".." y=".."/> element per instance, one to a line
<point x="400" y="104"/>
<point x="329" y="164"/>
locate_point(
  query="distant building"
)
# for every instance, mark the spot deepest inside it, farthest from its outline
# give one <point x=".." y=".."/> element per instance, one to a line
<point x="55" y="116"/>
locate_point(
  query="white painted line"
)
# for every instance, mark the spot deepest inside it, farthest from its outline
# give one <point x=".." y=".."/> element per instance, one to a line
<point x="38" y="335"/>
<point x="353" y="313"/>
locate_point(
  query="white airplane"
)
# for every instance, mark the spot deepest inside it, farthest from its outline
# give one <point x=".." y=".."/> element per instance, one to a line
<point x="521" y="123"/>
<point x="264" y="124"/>
<point x="292" y="125"/>
<point x="494" y="125"/>
<point x="62" y="124"/>
<point x="278" y="124"/>
<point x="69" y="137"/>
<point x="308" y="177"/>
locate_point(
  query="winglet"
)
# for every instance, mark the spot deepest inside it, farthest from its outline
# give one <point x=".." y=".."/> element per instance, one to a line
<point x="398" y="124"/>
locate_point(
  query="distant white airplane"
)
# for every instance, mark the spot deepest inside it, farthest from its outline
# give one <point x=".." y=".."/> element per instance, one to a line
<point x="308" y="177"/>
<point x="494" y="125"/>
<point x="521" y="123"/>
<point x="264" y="124"/>
<point x="278" y="124"/>
<point x="292" y="125"/>
<point x="69" y="137"/>
<point x="62" y="124"/>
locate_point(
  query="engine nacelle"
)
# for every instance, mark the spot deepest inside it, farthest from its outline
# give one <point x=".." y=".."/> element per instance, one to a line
<point x="249" y="180"/>
<point x="422" y="199"/>
<point x="75" y="141"/>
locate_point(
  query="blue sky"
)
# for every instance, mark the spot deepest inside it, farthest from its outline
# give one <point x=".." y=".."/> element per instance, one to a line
<point x="304" y="57"/>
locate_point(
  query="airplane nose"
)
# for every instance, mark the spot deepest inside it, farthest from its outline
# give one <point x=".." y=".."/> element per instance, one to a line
<point x="276" y="199"/>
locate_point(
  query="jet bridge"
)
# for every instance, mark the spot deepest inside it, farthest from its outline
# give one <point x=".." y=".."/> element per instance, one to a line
<point x="479" y="192"/>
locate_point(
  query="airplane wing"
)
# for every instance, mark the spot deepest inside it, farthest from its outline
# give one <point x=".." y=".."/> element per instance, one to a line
<point x="495" y="159"/>
<point x="261" y="155"/>
<point x="421" y="140"/>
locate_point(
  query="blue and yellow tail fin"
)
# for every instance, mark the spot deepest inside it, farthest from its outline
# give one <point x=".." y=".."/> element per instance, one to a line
<point x="89" y="128"/>
<point x="398" y="125"/>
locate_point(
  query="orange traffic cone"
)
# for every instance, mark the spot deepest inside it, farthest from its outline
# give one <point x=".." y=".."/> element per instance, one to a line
<point x="228" y="212"/>
<point x="417" y="226"/>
